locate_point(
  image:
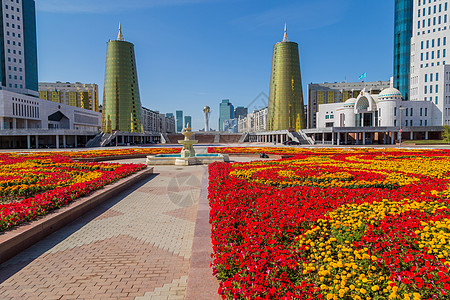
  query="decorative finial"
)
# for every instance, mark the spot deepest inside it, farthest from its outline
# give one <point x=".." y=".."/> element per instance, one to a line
<point x="120" y="35"/>
<point x="285" y="37"/>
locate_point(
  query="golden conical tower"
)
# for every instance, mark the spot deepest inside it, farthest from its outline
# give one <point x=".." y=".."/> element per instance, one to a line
<point x="286" y="108"/>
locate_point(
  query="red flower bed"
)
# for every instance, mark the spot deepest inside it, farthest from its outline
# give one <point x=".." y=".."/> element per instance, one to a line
<point x="32" y="186"/>
<point x="353" y="225"/>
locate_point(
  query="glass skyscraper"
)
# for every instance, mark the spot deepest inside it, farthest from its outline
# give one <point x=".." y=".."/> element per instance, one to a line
<point x="188" y="120"/>
<point x="402" y="45"/>
<point x="179" y="118"/>
<point x="286" y="108"/>
<point x="122" y="109"/>
<point x="226" y="112"/>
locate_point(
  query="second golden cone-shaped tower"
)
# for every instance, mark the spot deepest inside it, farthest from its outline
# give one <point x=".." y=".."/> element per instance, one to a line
<point x="286" y="110"/>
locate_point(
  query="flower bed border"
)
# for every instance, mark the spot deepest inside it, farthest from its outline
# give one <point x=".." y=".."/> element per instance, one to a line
<point x="106" y="158"/>
<point x="14" y="241"/>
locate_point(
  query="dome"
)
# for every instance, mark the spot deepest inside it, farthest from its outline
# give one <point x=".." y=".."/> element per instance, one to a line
<point x="350" y="102"/>
<point x="390" y="93"/>
<point x="206" y="109"/>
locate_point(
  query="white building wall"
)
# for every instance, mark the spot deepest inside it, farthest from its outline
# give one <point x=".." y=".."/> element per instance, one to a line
<point x="391" y="112"/>
<point x="327" y="115"/>
<point x="429" y="57"/>
<point x="18" y="111"/>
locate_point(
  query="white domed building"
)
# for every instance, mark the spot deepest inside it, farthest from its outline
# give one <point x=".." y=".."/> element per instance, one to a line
<point x="377" y="116"/>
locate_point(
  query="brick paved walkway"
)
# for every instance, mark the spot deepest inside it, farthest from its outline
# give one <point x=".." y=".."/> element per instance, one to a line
<point x="137" y="245"/>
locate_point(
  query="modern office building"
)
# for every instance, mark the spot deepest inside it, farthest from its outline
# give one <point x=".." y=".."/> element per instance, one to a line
<point x="155" y="122"/>
<point x="286" y="95"/>
<point x="231" y="125"/>
<point x="402" y="45"/>
<point x="179" y="119"/>
<point x="226" y="112"/>
<point x="121" y="99"/>
<point x="430" y="68"/>
<point x="382" y="118"/>
<point x="74" y="94"/>
<point x="240" y="112"/>
<point x="337" y="92"/>
<point x="385" y="109"/>
<point x="18" y="50"/>
<point x="188" y="120"/>
<point x="25" y="120"/>
<point x="254" y="122"/>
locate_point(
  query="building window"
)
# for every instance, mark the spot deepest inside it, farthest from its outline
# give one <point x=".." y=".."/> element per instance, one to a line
<point x="395" y="111"/>
<point x="426" y="77"/>
<point x="406" y="111"/>
<point x="426" y="113"/>
<point x="412" y="112"/>
<point x="420" y="111"/>
<point x="437" y="76"/>
<point x="436" y="100"/>
<point x="437" y="91"/>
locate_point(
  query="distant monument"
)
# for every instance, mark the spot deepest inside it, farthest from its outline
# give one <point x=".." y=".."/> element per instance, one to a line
<point x="206" y="113"/>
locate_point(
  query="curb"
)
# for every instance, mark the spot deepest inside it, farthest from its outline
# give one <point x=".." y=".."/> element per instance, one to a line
<point x="106" y="158"/>
<point x="201" y="283"/>
<point x="20" y="238"/>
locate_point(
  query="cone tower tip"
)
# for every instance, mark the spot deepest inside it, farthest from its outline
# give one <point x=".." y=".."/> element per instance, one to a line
<point x="285" y="37"/>
<point x="120" y="35"/>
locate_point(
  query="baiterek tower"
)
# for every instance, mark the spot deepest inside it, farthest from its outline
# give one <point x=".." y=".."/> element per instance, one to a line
<point x="121" y="100"/>
<point x="286" y="110"/>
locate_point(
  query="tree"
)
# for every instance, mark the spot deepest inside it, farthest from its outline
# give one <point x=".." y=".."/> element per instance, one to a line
<point x="446" y="134"/>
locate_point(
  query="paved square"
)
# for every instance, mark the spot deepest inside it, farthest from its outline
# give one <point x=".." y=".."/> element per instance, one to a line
<point x="137" y="245"/>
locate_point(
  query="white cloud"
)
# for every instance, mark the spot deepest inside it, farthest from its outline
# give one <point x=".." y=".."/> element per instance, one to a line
<point x="105" y="6"/>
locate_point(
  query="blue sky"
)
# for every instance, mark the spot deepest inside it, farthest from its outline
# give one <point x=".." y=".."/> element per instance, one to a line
<point x="192" y="53"/>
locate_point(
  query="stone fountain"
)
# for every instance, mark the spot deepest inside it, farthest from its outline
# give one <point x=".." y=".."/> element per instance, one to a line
<point x="188" y="148"/>
<point x="187" y="155"/>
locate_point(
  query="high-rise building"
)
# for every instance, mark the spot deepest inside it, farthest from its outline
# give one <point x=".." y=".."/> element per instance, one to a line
<point x="155" y="122"/>
<point x="286" y="95"/>
<point x="326" y="93"/>
<point x="430" y="68"/>
<point x="240" y="112"/>
<point x="121" y="99"/>
<point x="402" y="45"/>
<point x="73" y="94"/>
<point x="188" y="120"/>
<point x="18" y="50"/>
<point x="226" y="112"/>
<point x="179" y="120"/>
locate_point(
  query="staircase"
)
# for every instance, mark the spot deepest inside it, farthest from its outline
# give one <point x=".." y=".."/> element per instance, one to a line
<point x="300" y="137"/>
<point x="95" y="141"/>
<point x="244" y="138"/>
<point x="164" y="138"/>
<point x="108" y="138"/>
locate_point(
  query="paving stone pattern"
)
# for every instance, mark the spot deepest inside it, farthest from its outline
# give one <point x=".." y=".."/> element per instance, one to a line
<point x="136" y="245"/>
